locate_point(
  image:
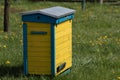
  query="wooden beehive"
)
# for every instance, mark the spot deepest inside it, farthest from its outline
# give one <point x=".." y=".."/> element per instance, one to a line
<point x="47" y="38"/>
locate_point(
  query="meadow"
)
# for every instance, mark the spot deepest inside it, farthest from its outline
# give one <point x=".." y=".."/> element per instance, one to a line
<point x="96" y="42"/>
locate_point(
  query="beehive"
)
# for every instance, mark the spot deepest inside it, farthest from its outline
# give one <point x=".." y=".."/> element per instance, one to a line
<point x="47" y="40"/>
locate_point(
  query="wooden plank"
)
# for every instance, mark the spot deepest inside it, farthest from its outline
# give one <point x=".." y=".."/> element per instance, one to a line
<point x="63" y="39"/>
<point x="39" y="64"/>
<point x="63" y="58"/>
<point x="64" y="25"/>
<point x="63" y="53"/>
<point x="39" y="70"/>
<point x="63" y="33"/>
<point x="35" y="24"/>
<point x="39" y="54"/>
<point x="38" y="29"/>
<point x="30" y="32"/>
<point x="63" y="46"/>
<point x="39" y="49"/>
<point x="61" y="28"/>
<point x="38" y="37"/>
<point x="39" y="44"/>
<point x="39" y="59"/>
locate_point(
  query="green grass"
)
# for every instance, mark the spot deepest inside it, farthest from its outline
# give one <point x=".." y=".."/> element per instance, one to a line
<point x="96" y="42"/>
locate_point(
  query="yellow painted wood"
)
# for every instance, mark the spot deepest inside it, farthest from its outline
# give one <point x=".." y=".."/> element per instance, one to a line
<point x="38" y="29"/>
<point x="62" y="59"/>
<point x="39" y="53"/>
<point x="38" y="38"/>
<point x="64" y="44"/>
<point x="40" y="63"/>
<point x="61" y="53"/>
<point x="63" y="26"/>
<point x="39" y="48"/>
<point x="39" y="70"/>
<point x="39" y="44"/>
<point x="44" y="59"/>
<point x="63" y="39"/>
<point x="62" y="33"/>
<point x="35" y="24"/>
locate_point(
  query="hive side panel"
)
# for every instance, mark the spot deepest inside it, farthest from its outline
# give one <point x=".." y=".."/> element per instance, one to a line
<point x="39" y="48"/>
<point x="63" y="45"/>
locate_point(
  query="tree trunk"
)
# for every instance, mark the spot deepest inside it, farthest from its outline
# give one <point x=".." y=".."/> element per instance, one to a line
<point x="101" y="1"/>
<point x="6" y="15"/>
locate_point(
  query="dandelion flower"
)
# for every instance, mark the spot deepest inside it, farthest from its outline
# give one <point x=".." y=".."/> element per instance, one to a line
<point x="105" y="37"/>
<point x="6" y="37"/>
<point x="7" y="62"/>
<point x="90" y="41"/>
<point x="20" y="26"/>
<point x="4" y="46"/>
<point x="118" y="77"/>
<point x="21" y="41"/>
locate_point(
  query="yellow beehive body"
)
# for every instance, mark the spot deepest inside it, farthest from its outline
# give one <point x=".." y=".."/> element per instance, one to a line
<point x="39" y="47"/>
<point x="39" y="57"/>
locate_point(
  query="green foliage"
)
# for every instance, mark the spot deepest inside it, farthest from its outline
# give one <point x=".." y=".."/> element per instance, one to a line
<point x="96" y="42"/>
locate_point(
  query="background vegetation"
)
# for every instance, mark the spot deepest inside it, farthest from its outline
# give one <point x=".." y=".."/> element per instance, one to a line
<point x="96" y="42"/>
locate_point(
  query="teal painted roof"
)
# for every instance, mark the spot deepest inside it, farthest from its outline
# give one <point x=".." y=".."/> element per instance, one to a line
<point x="55" y="12"/>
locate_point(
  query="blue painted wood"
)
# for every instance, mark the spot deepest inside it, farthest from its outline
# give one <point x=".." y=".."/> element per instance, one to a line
<point x="25" y="58"/>
<point x="60" y="20"/>
<point x="45" y="19"/>
<point x="38" y="32"/>
<point x="53" y="71"/>
<point x="38" y="18"/>
<point x="65" y="72"/>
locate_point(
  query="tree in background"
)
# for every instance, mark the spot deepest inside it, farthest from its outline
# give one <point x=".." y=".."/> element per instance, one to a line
<point x="6" y="15"/>
<point x="101" y="1"/>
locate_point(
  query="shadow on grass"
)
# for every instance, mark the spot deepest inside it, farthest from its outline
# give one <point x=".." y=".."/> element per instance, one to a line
<point x="15" y="71"/>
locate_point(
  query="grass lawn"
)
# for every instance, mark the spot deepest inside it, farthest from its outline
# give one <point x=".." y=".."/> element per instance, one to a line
<point x="96" y="42"/>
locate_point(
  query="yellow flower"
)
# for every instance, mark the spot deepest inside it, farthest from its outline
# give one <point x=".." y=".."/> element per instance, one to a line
<point x="118" y="77"/>
<point x="105" y="37"/>
<point x="113" y="72"/>
<point x="90" y="41"/>
<point x="4" y="46"/>
<point x="21" y="41"/>
<point x="20" y="26"/>
<point x="7" y="62"/>
<point x="6" y="37"/>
